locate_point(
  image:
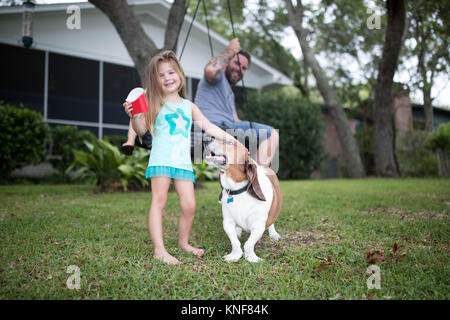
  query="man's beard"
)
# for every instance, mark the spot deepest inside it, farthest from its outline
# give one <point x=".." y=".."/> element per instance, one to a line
<point x="228" y="74"/>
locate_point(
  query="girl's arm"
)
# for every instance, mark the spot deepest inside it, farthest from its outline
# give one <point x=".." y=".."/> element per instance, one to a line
<point x="138" y="123"/>
<point x="208" y="127"/>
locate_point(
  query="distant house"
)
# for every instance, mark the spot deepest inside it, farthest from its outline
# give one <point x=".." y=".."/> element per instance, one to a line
<point x="404" y="112"/>
<point x="441" y="115"/>
<point x="81" y="77"/>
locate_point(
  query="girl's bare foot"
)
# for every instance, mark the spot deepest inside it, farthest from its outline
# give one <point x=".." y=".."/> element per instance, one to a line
<point x="197" y="251"/>
<point x="165" y="257"/>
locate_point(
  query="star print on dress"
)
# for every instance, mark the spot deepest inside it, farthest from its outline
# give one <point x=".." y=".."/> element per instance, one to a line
<point x="179" y="123"/>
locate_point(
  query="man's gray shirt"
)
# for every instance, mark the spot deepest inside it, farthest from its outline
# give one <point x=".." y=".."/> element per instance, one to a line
<point x="216" y="101"/>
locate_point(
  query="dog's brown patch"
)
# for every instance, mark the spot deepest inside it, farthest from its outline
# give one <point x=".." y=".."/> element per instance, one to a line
<point x="236" y="172"/>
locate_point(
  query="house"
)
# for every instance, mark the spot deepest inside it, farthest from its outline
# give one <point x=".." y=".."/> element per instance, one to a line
<point x="81" y="76"/>
<point x="406" y="116"/>
<point x="440" y="115"/>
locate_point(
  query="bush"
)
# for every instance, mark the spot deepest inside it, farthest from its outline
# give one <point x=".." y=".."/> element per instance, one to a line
<point x="116" y="140"/>
<point x="413" y="157"/>
<point x="65" y="140"/>
<point x="104" y="165"/>
<point x="439" y="142"/>
<point x="364" y="138"/>
<point x="300" y="125"/>
<point x="203" y="172"/>
<point x="24" y="138"/>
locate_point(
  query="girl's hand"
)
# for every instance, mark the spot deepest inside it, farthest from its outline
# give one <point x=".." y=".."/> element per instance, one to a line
<point x="128" y="108"/>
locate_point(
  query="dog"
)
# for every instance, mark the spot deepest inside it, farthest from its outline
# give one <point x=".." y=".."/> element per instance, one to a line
<point x="250" y="197"/>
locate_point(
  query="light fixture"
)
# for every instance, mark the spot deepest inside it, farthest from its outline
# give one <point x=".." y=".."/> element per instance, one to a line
<point x="27" y="23"/>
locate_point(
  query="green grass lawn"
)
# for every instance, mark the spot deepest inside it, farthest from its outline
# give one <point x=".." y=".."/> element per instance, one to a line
<point x="328" y="229"/>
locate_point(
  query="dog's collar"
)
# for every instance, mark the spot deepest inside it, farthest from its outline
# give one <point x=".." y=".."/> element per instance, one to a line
<point x="236" y="192"/>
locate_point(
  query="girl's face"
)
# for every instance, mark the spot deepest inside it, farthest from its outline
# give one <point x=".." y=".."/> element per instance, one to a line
<point x="168" y="79"/>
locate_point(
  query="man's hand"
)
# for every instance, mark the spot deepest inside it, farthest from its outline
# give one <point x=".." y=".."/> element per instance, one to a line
<point x="234" y="46"/>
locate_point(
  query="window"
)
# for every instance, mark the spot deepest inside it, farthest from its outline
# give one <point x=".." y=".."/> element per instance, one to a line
<point x="73" y="88"/>
<point x="93" y="130"/>
<point x="116" y="132"/>
<point x="22" y="76"/>
<point x="118" y="81"/>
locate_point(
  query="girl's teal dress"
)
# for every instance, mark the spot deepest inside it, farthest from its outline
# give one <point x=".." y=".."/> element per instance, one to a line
<point x="171" y="146"/>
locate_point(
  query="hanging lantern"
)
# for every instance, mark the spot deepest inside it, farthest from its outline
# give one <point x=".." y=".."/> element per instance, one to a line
<point x="27" y="23"/>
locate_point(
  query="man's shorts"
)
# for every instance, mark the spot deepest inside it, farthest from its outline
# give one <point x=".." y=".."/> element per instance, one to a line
<point x="258" y="130"/>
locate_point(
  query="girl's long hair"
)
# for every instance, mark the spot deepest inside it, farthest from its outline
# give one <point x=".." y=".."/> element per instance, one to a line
<point x="154" y="93"/>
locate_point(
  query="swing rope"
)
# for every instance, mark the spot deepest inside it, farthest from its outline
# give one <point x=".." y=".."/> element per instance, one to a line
<point x="240" y="69"/>
<point x="211" y="47"/>
<point x="207" y="28"/>
<point x="190" y="27"/>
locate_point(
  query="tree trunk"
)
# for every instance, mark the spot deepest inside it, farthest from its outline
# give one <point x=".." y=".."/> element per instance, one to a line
<point x="428" y="109"/>
<point x="174" y="24"/>
<point x="140" y="47"/>
<point x="385" y="164"/>
<point x="352" y="158"/>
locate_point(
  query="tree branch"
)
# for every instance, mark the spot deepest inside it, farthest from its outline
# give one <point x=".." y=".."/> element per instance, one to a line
<point x="409" y="19"/>
<point x="174" y="24"/>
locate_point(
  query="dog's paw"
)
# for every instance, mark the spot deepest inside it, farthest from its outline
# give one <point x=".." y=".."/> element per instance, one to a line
<point x="253" y="258"/>
<point x="233" y="256"/>
<point x="274" y="236"/>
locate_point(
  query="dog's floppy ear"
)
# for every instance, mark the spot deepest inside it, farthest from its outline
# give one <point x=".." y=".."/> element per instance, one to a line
<point x="221" y="188"/>
<point x="254" y="189"/>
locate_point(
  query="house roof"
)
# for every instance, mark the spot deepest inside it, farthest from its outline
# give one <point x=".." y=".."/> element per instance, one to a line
<point x="440" y="110"/>
<point x="97" y="39"/>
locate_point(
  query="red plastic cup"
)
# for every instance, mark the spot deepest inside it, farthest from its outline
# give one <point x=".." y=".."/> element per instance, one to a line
<point x="138" y="101"/>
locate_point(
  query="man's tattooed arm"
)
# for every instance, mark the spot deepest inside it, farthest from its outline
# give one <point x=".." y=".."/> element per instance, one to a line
<point x="219" y="62"/>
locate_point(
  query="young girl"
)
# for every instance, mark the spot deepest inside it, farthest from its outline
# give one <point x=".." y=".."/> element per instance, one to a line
<point x="169" y="121"/>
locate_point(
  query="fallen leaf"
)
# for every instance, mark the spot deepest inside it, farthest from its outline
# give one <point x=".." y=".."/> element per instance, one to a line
<point x="373" y="257"/>
<point x="328" y="262"/>
<point x="321" y="266"/>
<point x="396" y="247"/>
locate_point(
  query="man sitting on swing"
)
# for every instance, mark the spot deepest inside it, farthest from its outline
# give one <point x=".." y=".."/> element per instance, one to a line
<point x="216" y="101"/>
